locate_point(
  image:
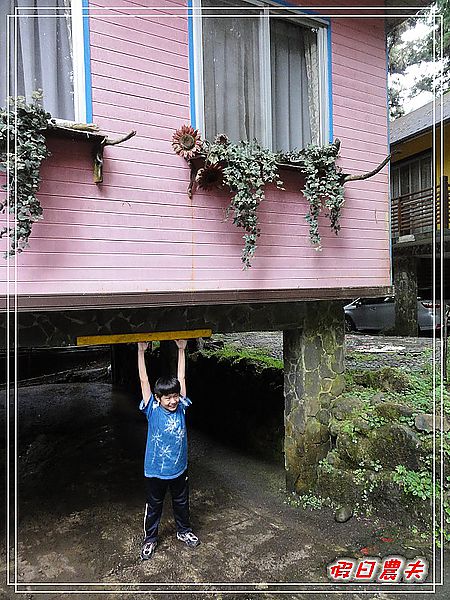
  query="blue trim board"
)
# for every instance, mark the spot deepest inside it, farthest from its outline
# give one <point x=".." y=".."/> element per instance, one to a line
<point x="191" y="65"/>
<point x="330" y="85"/>
<point x="87" y="62"/>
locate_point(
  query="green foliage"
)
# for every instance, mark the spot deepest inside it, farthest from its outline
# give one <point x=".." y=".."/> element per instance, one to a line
<point x="255" y="355"/>
<point x="413" y="388"/>
<point x="323" y="184"/>
<point x="326" y="466"/>
<point x="248" y="168"/>
<point x="403" y="55"/>
<point x="419" y="393"/>
<point x="22" y="150"/>
<point x="416" y="483"/>
<point x="308" y="501"/>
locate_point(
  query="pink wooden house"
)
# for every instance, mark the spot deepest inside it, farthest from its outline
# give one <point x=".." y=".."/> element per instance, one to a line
<point x="136" y="253"/>
<point x="138" y="233"/>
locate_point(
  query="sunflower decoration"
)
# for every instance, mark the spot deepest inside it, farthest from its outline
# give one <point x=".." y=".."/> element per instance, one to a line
<point x="209" y="177"/>
<point x="186" y="141"/>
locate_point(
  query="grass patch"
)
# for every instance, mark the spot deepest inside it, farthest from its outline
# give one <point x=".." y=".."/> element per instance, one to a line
<point x="417" y="386"/>
<point x="260" y="356"/>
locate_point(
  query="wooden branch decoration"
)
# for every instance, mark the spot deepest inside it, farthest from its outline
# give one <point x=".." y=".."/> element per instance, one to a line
<point x="369" y="174"/>
<point x="109" y="142"/>
<point x="98" y="153"/>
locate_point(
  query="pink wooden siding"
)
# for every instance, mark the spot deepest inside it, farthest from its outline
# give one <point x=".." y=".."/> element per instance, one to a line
<point x="139" y="232"/>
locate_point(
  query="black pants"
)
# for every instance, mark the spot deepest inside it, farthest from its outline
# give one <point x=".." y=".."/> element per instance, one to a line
<point x="156" y="490"/>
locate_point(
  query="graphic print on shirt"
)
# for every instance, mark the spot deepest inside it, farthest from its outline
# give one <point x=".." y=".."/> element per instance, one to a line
<point x="172" y="424"/>
<point x="173" y="427"/>
<point x="179" y="434"/>
<point x="156" y="439"/>
<point x="165" y="453"/>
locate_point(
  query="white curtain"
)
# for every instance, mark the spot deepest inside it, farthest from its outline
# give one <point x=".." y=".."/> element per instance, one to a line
<point x="312" y="74"/>
<point x="295" y="85"/>
<point x="231" y="73"/>
<point x="44" y="54"/>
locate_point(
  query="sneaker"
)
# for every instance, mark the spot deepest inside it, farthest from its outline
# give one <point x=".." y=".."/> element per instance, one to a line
<point x="189" y="538"/>
<point x="147" y="550"/>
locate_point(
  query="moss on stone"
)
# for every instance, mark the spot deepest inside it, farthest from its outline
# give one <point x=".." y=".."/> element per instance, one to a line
<point x="260" y="357"/>
<point x="387" y="378"/>
<point x="393" y="411"/>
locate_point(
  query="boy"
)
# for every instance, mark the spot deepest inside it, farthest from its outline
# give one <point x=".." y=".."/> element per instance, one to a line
<point x="165" y="463"/>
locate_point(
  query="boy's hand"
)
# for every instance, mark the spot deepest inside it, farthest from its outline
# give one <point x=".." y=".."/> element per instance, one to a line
<point x="142" y="346"/>
<point x="181" y="344"/>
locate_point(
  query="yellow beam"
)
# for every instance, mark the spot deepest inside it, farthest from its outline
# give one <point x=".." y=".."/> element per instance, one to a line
<point x="128" y="338"/>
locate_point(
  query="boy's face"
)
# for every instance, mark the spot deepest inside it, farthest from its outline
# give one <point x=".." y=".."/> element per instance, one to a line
<point x="170" y="402"/>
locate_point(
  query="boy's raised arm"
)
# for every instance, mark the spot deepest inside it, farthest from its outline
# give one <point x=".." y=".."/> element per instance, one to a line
<point x="181" y="373"/>
<point x="145" y="384"/>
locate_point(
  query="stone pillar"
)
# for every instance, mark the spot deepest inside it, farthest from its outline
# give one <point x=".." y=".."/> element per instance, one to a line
<point x="405" y="285"/>
<point x="313" y="377"/>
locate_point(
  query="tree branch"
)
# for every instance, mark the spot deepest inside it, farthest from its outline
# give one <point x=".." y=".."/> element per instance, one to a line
<point x="370" y="173"/>
<point x="109" y="142"/>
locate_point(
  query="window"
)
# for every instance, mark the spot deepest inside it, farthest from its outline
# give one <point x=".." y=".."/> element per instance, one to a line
<point x="411" y="176"/>
<point x="412" y="197"/>
<point x="47" y="37"/>
<point x="260" y="73"/>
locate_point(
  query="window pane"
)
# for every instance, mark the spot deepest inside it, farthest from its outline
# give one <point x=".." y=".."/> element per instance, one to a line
<point x="404" y="180"/>
<point x="295" y="85"/>
<point x="415" y="176"/>
<point x="44" y="54"/>
<point x="425" y="168"/>
<point x="231" y="72"/>
<point x="395" y="182"/>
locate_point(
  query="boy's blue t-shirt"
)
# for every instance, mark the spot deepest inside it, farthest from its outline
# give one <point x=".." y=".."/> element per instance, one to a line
<point x="166" y="450"/>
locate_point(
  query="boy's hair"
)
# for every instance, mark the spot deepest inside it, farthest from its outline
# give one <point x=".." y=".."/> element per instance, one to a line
<point x="165" y="386"/>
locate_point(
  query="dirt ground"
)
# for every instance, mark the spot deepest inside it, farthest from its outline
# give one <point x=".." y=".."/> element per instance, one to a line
<point x="81" y="500"/>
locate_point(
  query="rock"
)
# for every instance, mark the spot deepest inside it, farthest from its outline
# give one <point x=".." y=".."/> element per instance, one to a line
<point x="345" y="406"/>
<point x="353" y="449"/>
<point x="376" y="398"/>
<point x="389" y="379"/>
<point x="390" y="445"/>
<point x="315" y="432"/>
<point x="362" y="426"/>
<point x="392" y="411"/>
<point x="343" y="514"/>
<point x="334" y="427"/>
<point x="424" y="422"/>
<point x="395" y="444"/>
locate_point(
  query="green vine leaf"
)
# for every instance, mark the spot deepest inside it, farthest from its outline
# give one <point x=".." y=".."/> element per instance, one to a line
<point x="23" y="147"/>
<point x="246" y="168"/>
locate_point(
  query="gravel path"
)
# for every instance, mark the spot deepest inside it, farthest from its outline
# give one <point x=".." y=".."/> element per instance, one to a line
<point x="362" y="350"/>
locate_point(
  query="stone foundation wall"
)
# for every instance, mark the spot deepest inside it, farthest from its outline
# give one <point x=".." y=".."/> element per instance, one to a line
<point x="53" y="329"/>
<point x="313" y="377"/>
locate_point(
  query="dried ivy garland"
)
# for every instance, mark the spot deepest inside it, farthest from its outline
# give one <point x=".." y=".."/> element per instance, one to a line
<point x="23" y="147"/>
